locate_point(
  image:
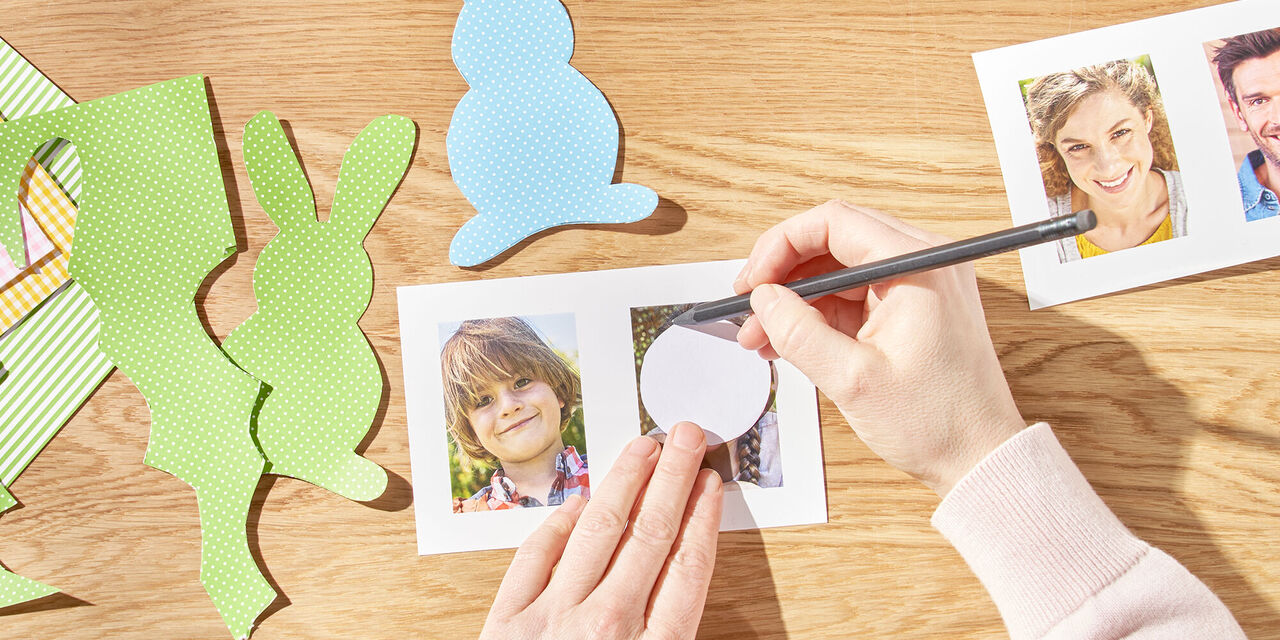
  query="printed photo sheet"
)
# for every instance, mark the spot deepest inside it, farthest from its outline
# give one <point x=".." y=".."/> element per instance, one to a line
<point x="575" y="345"/>
<point x="1186" y="153"/>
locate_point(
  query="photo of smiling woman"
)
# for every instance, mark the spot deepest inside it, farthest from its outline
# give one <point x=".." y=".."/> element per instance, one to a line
<point x="512" y="396"/>
<point x="1103" y="143"/>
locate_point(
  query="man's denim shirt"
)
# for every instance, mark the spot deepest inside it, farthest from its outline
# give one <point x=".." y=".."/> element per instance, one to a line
<point x="1259" y="201"/>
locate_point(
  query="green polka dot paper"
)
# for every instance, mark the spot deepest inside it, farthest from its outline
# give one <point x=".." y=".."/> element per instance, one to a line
<point x="14" y="588"/>
<point x="533" y="144"/>
<point x="313" y="281"/>
<point x="153" y="223"/>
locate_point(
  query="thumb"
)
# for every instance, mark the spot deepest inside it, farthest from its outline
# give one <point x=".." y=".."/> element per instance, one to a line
<point x="800" y="335"/>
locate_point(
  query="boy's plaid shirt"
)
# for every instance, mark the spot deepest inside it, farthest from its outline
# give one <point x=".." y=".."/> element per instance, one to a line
<point x="571" y="479"/>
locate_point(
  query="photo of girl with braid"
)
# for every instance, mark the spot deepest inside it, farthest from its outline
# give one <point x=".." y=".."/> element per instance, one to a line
<point x="513" y="398"/>
<point x="752" y="458"/>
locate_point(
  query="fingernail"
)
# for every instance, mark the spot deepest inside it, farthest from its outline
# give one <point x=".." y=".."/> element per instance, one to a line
<point x="763" y="298"/>
<point x="711" y="481"/>
<point x="573" y="503"/>
<point x="641" y="447"/>
<point x="743" y="281"/>
<point x="686" y="435"/>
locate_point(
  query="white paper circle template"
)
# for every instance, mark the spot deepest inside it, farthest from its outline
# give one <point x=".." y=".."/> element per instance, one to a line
<point x="703" y="376"/>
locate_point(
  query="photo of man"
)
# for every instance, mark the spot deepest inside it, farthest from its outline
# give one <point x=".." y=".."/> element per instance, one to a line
<point x="1248" y="67"/>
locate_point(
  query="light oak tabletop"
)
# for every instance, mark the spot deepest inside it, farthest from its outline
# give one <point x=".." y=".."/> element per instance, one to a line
<point x="738" y="113"/>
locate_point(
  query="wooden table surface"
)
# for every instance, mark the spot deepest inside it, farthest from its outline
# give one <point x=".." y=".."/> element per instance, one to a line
<point x="739" y="113"/>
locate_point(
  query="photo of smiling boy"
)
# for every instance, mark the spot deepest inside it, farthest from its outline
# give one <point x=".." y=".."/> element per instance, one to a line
<point x="512" y="411"/>
<point x="1103" y="143"/>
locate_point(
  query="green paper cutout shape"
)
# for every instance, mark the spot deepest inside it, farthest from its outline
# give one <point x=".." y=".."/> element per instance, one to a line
<point x="313" y="281"/>
<point x="15" y="589"/>
<point x="153" y="223"/>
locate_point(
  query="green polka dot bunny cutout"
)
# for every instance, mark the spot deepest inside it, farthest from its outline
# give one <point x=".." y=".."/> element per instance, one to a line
<point x="313" y="281"/>
<point x="153" y="223"/>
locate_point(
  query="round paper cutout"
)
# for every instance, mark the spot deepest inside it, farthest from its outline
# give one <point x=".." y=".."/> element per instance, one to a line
<point x="703" y="376"/>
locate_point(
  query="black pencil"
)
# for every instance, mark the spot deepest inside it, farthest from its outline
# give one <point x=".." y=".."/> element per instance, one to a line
<point x="915" y="262"/>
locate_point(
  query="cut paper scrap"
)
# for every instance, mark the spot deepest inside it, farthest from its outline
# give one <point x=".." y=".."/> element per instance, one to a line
<point x="36" y="243"/>
<point x="53" y="358"/>
<point x="55" y="215"/>
<point x="153" y="223"/>
<point x="15" y="589"/>
<point x="533" y="144"/>
<point x="54" y="364"/>
<point x="700" y="374"/>
<point x="313" y="281"/>
<point x="25" y="91"/>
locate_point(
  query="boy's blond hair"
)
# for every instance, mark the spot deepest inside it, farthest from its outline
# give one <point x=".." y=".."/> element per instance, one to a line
<point x="482" y="352"/>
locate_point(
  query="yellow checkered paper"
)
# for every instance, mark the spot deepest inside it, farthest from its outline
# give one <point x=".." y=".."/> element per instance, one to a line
<point x="53" y="211"/>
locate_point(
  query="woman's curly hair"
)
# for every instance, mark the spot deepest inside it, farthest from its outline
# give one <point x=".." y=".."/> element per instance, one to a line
<point x="1051" y="99"/>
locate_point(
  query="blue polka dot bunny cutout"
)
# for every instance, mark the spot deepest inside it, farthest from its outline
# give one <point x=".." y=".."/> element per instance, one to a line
<point x="533" y="144"/>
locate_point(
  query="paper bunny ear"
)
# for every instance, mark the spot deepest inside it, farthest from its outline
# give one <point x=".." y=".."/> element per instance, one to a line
<point x="274" y="173"/>
<point x="371" y="169"/>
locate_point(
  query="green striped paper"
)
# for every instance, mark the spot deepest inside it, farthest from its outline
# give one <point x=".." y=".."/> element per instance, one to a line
<point x="24" y="91"/>
<point x="54" y="363"/>
<point x="52" y="358"/>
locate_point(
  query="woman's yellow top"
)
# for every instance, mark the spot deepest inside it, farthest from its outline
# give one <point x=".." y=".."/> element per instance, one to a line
<point x="1089" y="249"/>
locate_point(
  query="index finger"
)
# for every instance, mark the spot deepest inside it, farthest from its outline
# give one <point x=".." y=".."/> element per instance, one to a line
<point x="851" y="235"/>
<point x="657" y="521"/>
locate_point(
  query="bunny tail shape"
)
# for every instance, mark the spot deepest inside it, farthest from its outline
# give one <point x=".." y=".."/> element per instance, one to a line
<point x="312" y="282"/>
<point x="628" y="202"/>
<point x="291" y="427"/>
<point x="490" y="233"/>
<point x="347" y="474"/>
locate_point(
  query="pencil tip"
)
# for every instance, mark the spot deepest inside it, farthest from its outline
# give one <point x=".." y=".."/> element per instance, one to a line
<point x="685" y="319"/>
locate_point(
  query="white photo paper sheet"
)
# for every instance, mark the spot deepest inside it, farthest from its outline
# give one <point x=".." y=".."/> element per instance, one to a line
<point x="589" y="317"/>
<point x="1178" y="49"/>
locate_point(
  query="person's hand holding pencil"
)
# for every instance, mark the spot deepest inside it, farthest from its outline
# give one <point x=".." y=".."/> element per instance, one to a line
<point x="908" y="362"/>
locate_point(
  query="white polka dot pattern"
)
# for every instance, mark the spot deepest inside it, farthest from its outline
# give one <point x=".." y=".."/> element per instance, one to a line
<point x="153" y="223"/>
<point x="313" y="281"/>
<point x="533" y="144"/>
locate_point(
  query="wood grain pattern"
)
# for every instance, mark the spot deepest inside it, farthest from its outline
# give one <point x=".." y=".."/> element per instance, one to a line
<point x="739" y="113"/>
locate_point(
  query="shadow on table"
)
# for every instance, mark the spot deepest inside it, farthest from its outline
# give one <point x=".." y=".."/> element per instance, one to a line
<point x="1130" y="431"/>
<point x="668" y="218"/>
<point x="50" y="602"/>
<point x="743" y="601"/>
